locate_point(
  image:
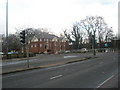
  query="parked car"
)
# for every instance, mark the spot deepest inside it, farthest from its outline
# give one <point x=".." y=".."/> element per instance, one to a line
<point x="83" y="50"/>
<point x="50" y="52"/>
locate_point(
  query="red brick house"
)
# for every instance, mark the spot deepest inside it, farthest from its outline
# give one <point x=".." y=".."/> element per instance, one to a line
<point x="46" y="42"/>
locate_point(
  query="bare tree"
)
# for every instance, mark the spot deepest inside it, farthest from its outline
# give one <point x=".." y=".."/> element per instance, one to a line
<point x="95" y="26"/>
<point x="108" y="34"/>
<point x="88" y="24"/>
<point x="13" y="43"/>
<point x="101" y="29"/>
<point x="75" y="36"/>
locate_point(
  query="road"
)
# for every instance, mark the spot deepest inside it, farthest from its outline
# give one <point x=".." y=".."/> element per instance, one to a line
<point x="85" y="74"/>
<point x="41" y="60"/>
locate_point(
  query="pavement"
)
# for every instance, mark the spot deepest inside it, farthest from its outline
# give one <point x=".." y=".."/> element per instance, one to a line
<point x="92" y="73"/>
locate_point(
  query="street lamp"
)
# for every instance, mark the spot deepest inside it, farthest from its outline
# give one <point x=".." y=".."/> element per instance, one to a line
<point x="7" y="28"/>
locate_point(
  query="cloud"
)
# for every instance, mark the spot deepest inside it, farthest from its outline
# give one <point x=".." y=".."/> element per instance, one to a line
<point x="57" y="14"/>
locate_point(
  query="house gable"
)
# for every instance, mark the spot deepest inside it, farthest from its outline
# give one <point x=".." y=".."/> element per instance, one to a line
<point x="64" y="40"/>
<point x="35" y="39"/>
<point x="55" y="39"/>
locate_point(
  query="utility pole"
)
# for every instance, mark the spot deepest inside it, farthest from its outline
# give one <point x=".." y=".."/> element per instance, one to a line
<point x="7" y="28"/>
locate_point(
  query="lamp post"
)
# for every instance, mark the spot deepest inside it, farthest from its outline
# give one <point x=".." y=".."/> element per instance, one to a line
<point x="7" y="28"/>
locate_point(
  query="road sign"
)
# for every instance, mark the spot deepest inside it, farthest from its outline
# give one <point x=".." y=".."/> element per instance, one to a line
<point x="106" y="45"/>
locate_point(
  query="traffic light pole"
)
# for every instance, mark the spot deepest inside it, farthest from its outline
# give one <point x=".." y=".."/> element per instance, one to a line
<point x="27" y="49"/>
<point x="24" y="50"/>
<point x="27" y="46"/>
<point x="24" y="40"/>
<point x="26" y="54"/>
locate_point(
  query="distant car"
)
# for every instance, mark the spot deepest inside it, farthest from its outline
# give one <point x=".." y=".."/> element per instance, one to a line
<point x="106" y="50"/>
<point x="67" y="51"/>
<point x="12" y="52"/>
<point x="1" y="53"/>
<point x="83" y="50"/>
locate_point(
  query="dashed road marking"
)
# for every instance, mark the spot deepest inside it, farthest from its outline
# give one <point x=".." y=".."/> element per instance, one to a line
<point x="56" y="76"/>
<point x="69" y="56"/>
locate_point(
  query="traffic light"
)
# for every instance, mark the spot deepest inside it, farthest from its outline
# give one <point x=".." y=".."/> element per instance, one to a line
<point x="22" y="36"/>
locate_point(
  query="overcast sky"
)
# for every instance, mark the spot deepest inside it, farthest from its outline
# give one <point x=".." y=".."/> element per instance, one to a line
<point x="56" y="15"/>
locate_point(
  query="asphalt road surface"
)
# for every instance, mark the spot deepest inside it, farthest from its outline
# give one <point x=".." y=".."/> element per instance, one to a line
<point x="11" y="65"/>
<point x="92" y="73"/>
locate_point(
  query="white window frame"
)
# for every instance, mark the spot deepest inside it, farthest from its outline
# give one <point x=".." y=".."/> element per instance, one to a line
<point x="35" y="45"/>
<point x="40" y="45"/>
<point x="40" y="39"/>
<point x="31" y="45"/>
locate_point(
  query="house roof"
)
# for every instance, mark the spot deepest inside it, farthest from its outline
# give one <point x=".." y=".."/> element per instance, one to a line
<point x="46" y="35"/>
<point x="61" y="38"/>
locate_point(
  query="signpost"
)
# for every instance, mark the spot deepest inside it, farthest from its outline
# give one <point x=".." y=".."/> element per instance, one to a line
<point x="106" y="45"/>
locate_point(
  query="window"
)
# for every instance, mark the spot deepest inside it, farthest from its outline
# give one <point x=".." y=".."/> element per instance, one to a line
<point x="31" y="46"/>
<point x="55" y="44"/>
<point x="35" y="45"/>
<point x="61" y="46"/>
<point x="47" y="40"/>
<point x="46" y="46"/>
<point x="40" y="39"/>
<point x="40" y="45"/>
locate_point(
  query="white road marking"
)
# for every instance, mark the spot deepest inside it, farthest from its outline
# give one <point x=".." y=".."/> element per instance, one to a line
<point x="56" y="76"/>
<point x="69" y="56"/>
<point x="17" y="62"/>
<point x="105" y="81"/>
<point x="10" y="63"/>
<point x="20" y="62"/>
